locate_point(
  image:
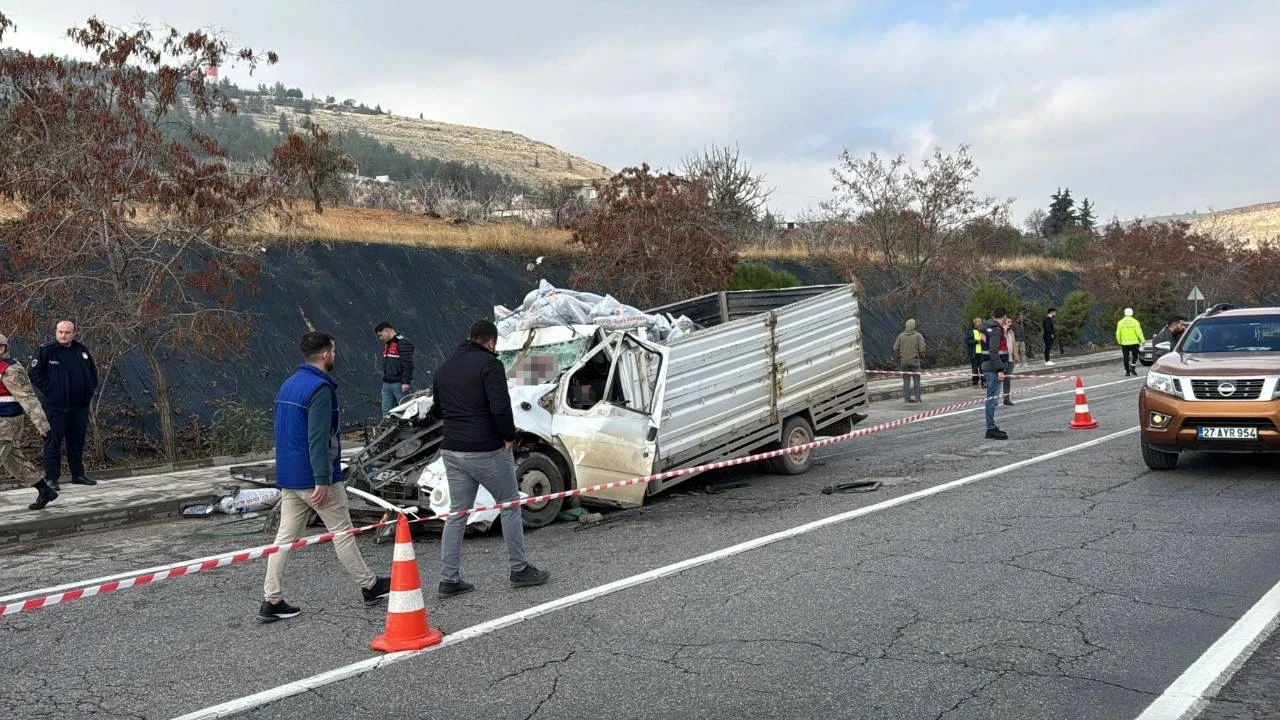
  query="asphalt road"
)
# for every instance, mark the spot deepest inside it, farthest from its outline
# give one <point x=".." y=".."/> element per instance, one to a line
<point x="1075" y="586"/>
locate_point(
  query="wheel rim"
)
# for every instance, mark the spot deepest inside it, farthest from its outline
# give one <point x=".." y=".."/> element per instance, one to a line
<point x="535" y="482"/>
<point x="799" y="436"/>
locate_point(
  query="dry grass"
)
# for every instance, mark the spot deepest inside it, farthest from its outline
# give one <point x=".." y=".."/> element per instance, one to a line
<point x="346" y="225"/>
<point x="500" y="150"/>
<point x="797" y="253"/>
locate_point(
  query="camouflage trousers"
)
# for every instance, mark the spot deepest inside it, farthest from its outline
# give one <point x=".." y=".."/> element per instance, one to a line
<point x="12" y="461"/>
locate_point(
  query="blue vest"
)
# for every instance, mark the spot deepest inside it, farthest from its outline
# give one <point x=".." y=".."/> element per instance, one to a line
<point x="9" y="405"/>
<point x="293" y="457"/>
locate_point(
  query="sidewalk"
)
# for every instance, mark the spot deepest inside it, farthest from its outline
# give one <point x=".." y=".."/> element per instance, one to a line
<point x="142" y="495"/>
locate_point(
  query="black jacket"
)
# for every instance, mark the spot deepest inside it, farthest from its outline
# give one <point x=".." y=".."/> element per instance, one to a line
<point x="992" y="334"/>
<point x="470" y="391"/>
<point x="1049" y="329"/>
<point x="397" y="360"/>
<point x="66" y="377"/>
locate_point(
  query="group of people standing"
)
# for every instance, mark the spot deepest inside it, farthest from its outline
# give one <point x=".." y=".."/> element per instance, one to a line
<point x="469" y="395"/>
<point x="54" y="392"/>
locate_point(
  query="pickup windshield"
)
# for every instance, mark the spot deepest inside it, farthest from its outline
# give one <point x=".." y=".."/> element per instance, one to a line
<point x="1233" y="334"/>
<point x="542" y="363"/>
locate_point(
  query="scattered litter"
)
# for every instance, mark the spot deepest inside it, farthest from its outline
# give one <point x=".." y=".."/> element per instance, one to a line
<point x="859" y="486"/>
<point x="572" y="514"/>
<point x="239" y="502"/>
<point x="714" y="489"/>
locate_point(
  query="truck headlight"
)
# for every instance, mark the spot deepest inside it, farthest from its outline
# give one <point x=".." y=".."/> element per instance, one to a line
<point x="1162" y="383"/>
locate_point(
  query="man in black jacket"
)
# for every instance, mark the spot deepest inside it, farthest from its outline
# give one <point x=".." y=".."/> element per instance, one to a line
<point x="64" y="374"/>
<point x="1050" y="333"/>
<point x="397" y="365"/>
<point x="470" y="394"/>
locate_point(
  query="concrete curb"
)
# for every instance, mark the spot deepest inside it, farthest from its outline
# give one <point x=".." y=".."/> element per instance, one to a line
<point x="97" y="519"/>
<point x="183" y="465"/>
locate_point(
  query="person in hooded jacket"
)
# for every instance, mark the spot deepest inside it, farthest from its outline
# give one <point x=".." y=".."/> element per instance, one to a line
<point x="1129" y="337"/>
<point x="909" y="348"/>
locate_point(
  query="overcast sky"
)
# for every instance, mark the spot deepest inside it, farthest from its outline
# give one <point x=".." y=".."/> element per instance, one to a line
<point x="1148" y="108"/>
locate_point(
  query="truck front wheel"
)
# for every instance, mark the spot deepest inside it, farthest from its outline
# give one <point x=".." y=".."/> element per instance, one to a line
<point x="795" y="431"/>
<point x="536" y="475"/>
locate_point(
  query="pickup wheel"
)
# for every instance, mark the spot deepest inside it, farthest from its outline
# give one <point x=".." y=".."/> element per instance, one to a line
<point x="538" y="474"/>
<point x="1158" y="459"/>
<point x="795" y="432"/>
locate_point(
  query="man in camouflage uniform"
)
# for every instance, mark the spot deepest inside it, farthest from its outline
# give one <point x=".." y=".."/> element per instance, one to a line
<point x="16" y="399"/>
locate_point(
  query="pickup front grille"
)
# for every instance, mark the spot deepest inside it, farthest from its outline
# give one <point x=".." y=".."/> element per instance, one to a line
<point x="1245" y="389"/>
<point x="1260" y="423"/>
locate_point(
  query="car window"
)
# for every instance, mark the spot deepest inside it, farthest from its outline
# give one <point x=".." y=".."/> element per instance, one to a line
<point x="1233" y="334"/>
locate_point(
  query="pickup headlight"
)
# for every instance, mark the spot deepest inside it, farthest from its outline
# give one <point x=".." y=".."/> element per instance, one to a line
<point x="1162" y="383"/>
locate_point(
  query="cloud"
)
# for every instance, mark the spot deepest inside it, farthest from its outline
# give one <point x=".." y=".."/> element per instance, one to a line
<point x="1150" y="109"/>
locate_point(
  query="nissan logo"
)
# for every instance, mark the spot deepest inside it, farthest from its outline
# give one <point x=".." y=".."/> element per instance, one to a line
<point x="1226" y="389"/>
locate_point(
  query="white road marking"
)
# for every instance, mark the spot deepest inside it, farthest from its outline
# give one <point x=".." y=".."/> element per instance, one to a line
<point x="1189" y="694"/>
<point x="922" y="431"/>
<point x="244" y="704"/>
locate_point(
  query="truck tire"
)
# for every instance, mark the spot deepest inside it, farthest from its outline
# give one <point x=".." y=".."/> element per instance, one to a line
<point x="1158" y="459"/>
<point x="537" y="474"/>
<point x="796" y="431"/>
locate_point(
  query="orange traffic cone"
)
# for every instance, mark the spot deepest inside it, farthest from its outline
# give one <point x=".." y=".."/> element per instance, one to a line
<point x="1083" y="420"/>
<point x="407" y="626"/>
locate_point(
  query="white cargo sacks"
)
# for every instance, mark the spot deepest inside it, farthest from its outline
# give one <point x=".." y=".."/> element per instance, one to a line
<point x="550" y="306"/>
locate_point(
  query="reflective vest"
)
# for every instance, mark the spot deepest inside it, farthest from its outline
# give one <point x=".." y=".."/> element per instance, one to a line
<point x="9" y="405"/>
<point x="977" y="342"/>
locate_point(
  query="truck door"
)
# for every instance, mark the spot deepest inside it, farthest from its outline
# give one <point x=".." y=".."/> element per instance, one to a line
<point x="607" y="415"/>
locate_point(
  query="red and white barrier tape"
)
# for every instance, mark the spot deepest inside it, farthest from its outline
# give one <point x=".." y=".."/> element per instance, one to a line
<point x="211" y="563"/>
<point x="1015" y="375"/>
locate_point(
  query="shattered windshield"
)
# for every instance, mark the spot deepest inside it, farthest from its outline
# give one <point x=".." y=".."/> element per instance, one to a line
<point x="542" y="363"/>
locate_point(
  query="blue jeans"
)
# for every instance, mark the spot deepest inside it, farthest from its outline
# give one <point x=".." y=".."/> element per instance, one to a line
<point x="993" y="398"/>
<point x="391" y="396"/>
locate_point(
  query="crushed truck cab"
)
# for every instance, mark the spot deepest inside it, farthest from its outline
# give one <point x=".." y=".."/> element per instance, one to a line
<point x="759" y="370"/>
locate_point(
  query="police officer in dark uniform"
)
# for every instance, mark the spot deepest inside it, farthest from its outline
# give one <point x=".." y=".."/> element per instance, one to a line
<point x="66" y="377"/>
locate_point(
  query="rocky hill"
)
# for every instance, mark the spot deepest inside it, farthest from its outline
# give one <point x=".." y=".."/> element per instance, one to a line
<point x="1251" y="222"/>
<point x="527" y="161"/>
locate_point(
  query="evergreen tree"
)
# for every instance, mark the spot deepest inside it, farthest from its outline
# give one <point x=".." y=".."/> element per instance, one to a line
<point x="1062" y="214"/>
<point x="1086" y="218"/>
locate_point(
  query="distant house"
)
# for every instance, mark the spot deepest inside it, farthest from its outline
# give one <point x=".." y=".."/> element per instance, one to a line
<point x="382" y="178"/>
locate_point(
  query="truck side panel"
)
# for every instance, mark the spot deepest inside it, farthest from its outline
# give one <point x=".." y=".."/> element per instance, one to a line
<point x="819" y="358"/>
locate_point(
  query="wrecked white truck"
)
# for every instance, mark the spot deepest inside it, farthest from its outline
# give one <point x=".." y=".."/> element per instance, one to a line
<point x="751" y="371"/>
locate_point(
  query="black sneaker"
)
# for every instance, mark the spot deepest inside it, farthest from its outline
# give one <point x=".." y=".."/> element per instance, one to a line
<point x="82" y="480"/>
<point x="1007" y="401"/>
<point x="449" y="589"/>
<point x="54" y="484"/>
<point x="529" y="576"/>
<point x="271" y="612"/>
<point x="381" y="588"/>
<point x="997" y="434"/>
<point x="45" y="494"/>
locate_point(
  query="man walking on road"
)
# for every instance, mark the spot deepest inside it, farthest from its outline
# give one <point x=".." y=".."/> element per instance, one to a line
<point x="308" y="448"/>
<point x="995" y="367"/>
<point x="1050" y="333"/>
<point x="66" y="377"/>
<point x="470" y="393"/>
<point x="397" y="365"/>
<point x="16" y="398"/>
<point x="1129" y="337"/>
<point x="910" y="347"/>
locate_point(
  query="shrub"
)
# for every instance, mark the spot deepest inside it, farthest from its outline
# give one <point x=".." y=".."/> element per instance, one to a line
<point x="758" y="276"/>
<point x="239" y="428"/>
<point x="987" y="297"/>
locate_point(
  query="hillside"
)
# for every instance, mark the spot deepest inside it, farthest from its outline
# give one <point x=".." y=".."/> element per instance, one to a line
<point x="1251" y="222"/>
<point x="502" y="151"/>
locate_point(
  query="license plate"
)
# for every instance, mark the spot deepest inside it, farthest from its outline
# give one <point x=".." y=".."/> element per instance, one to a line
<point x="1228" y="433"/>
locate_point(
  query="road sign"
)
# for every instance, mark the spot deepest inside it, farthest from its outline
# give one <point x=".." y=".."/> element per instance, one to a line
<point x="1195" y="295"/>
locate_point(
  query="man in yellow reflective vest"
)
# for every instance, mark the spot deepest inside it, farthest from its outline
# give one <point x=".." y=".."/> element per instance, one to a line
<point x="974" y="344"/>
<point x="1129" y="337"/>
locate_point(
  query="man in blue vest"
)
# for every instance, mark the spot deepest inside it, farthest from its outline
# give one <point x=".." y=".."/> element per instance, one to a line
<point x="308" y="448"/>
<point x="17" y="398"/>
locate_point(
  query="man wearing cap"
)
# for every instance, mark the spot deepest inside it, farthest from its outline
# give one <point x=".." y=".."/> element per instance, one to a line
<point x="17" y="398"/>
<point x="64" y="373"/>
<point x="1129" y="337"/>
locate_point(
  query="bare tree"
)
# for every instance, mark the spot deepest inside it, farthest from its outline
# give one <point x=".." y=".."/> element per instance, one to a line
<point x="312" y="160"/>
<point x="738" y="195"/>
<point x="919" y="223"/>
<point x="562" y="200"/>
<point x="119" y="221"/>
